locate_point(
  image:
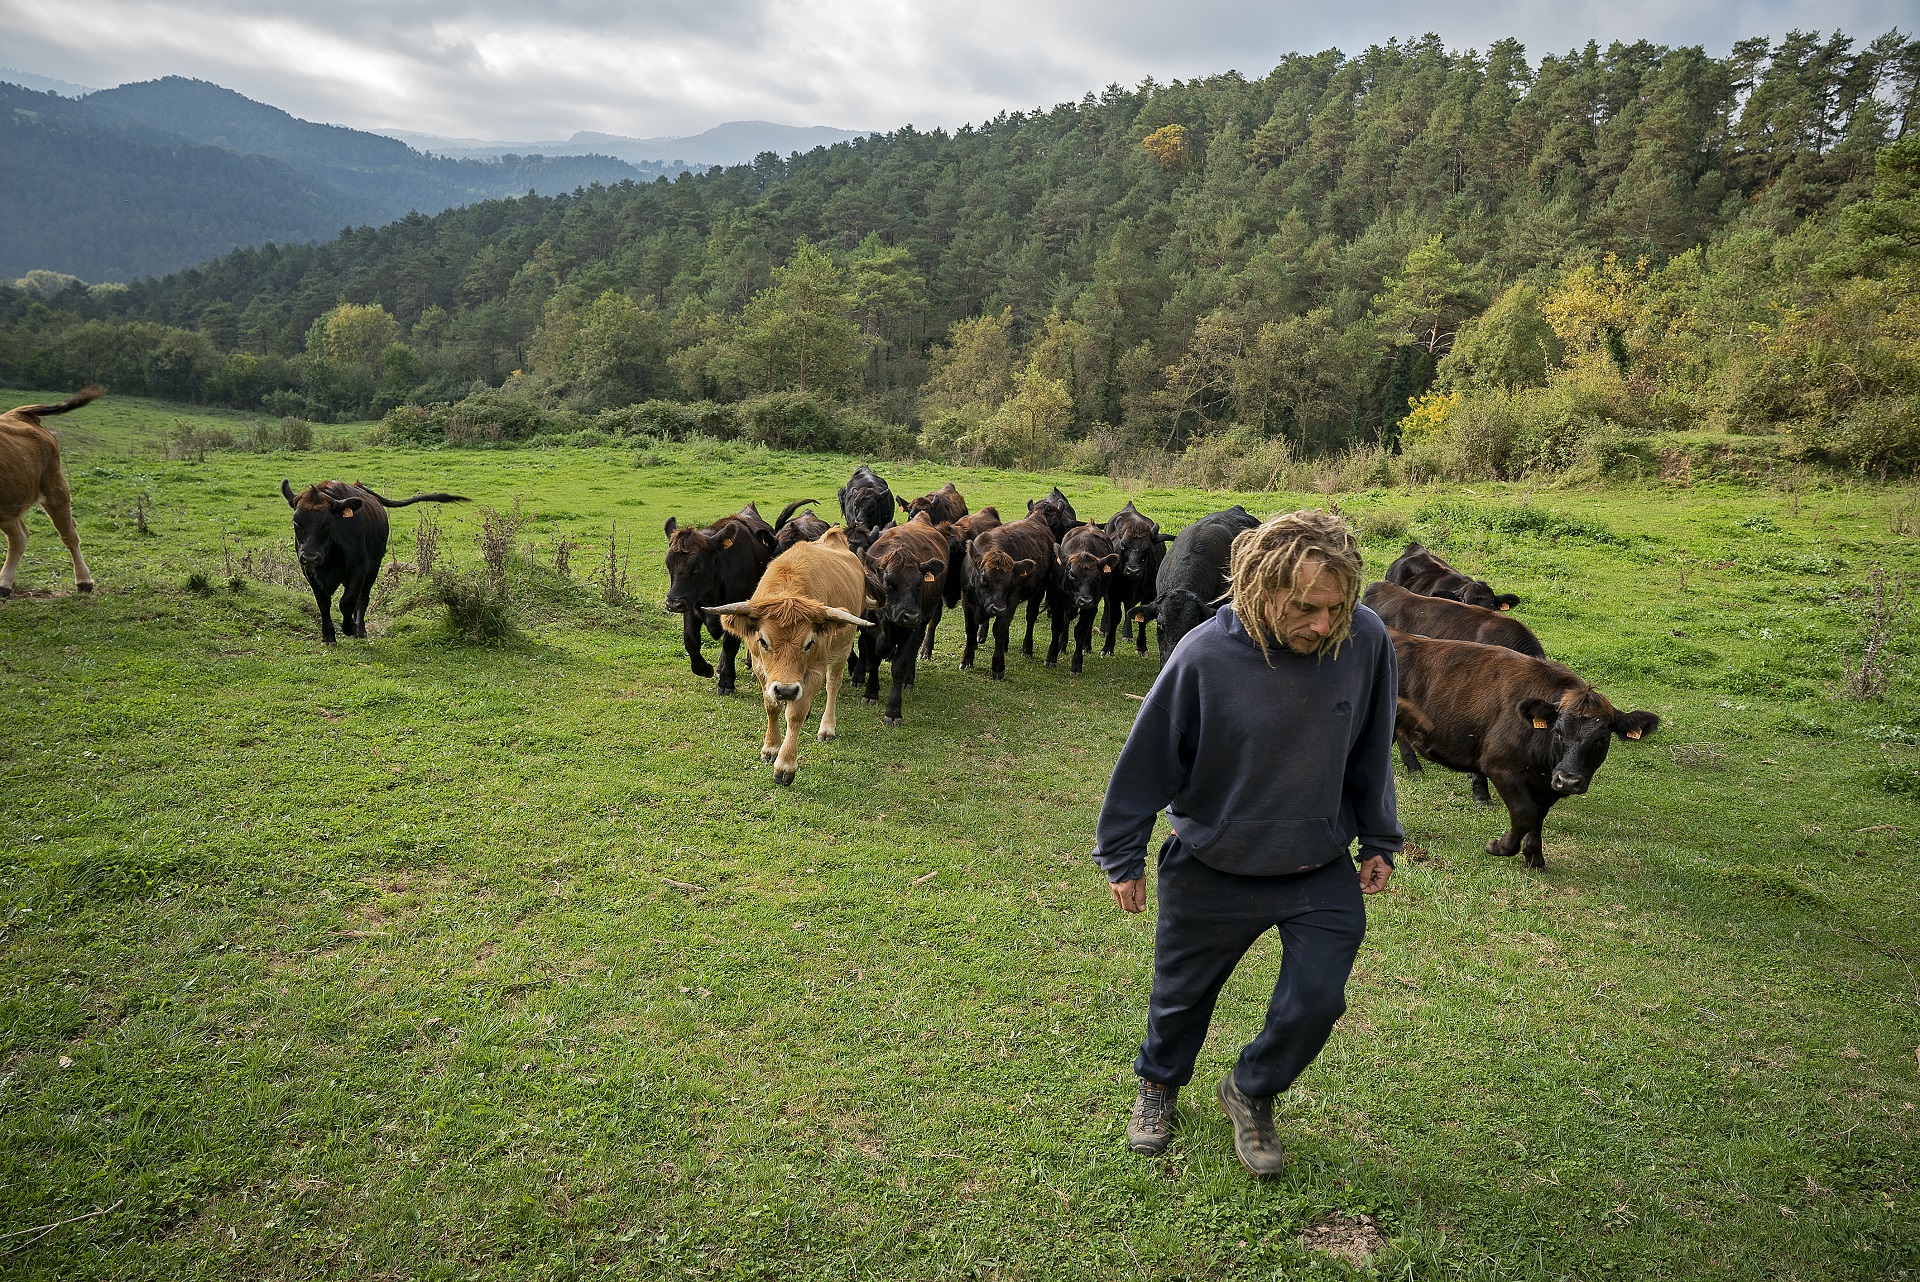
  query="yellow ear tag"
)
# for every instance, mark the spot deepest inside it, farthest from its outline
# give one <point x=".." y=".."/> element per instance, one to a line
<point x="1539" y="723"/>
<point x="727" y="544"/>
<point x="348" y="514"/>
<point x="926" y="578"/>
<point x="1634" y="733"/>
<point x="1106" y="569"/>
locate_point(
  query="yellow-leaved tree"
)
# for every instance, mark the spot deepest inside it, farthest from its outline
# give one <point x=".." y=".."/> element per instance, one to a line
<point x="1169" y="147"/>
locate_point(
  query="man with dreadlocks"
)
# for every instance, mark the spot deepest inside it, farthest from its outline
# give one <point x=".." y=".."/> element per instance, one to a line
<point x="1267" y="739"/>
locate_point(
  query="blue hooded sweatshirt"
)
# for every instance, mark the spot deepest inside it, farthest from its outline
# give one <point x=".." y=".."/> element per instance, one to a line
<point x="1266" y="765"/>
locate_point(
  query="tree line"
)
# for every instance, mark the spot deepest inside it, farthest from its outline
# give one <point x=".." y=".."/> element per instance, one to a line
<point x="1486" y="263"/>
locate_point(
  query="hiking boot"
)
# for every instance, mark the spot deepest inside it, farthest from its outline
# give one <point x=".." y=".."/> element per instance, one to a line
<point x="1151" y="1127"/>
<point x="1253" y="1138"/>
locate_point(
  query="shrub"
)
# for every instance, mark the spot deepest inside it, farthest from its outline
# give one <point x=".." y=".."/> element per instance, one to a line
<point x="478" y="607"/>
<point x="1880" y="437"/>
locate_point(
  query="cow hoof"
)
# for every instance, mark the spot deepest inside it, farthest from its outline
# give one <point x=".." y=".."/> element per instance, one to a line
<point x="702" y="669"/>
<point x="824" y="735"/>
<point x="1051" y="663"/>
<point x="723" y="689"/>
<point x="5" y="593"/>
<point x="870" y="698"/>
<point x="997" y="676"/>
<point x="893" y="721"/>
<point x="84" y="587"/>
<point x="1537" y="861"/>
<point x="783" y="777"/>
<point x="1494" y="848"/>
<point x="769" y="755"/>
<point x="1485" y="801"/>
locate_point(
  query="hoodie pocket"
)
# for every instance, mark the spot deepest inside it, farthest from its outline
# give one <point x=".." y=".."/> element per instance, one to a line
<point x="1270" y="847"/>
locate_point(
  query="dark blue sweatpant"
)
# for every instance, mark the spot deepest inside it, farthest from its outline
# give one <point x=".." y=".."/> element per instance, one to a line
<point x="1208" y="920"/>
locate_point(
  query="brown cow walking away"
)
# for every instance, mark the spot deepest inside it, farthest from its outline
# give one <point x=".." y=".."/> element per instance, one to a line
<point x="799" y="626"/>
<point x="30" y="474"/>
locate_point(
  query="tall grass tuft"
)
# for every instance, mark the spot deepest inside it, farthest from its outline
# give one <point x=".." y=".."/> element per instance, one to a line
<point x="479" y="610"/>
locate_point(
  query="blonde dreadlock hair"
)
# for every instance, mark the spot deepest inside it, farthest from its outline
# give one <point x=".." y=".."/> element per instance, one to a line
<point x="1265" y="571"/>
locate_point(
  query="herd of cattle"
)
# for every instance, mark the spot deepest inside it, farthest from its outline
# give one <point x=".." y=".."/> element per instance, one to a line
<point x="1477" y="692"/>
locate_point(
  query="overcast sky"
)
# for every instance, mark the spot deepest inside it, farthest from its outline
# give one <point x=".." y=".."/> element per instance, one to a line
<point x="514" y="70"/>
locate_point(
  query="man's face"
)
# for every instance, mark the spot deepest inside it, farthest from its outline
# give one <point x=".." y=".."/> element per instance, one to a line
<point x="1304" y="622"/>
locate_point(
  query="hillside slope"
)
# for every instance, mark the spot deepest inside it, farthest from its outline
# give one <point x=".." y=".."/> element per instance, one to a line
<point x="109" y="202"/>
<point x="390" y="176"/>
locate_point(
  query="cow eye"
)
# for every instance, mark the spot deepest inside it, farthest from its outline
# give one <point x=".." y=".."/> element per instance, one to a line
<point x="808" y="645"/>
<point x="763" y="643"/>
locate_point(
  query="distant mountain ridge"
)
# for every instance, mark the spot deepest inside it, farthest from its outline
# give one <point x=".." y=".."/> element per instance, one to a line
<point x="151" y="177"/>
<point x="734" y="143"/>
<point x="44" y="84"/>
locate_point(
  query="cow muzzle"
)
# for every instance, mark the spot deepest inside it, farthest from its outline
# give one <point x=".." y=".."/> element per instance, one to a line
<point x="784" y="691"/>
<point x="1568" y="784"/>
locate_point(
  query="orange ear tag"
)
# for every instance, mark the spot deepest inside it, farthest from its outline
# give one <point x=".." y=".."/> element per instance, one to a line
<point x="727" y="544"/>
<point x="1634" y="733"/>
<point x="1539" y="723"/>
<point x="348" y="514"/>
<point x="926" y="578"/>
<point x="1106" y="569"/>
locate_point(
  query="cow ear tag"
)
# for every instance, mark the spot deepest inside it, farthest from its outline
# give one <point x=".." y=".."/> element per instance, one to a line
<point x="926" y="578"/>
<point x="1539" y="723"/>
<point x="348" y="514"/>
<point x="727" y="544"/>
<point x="1634" y="733"/>
<point x="1106" y="569"/>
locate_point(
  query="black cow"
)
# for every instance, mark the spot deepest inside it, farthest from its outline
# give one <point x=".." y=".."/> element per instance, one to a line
<point x="1005" y="567"/>
<point x="943" y="505"/>
<point x="1193" y="577"/>
<point x="1141" y="547"/>
<point x="1087" y="565"/>
<point x="340" y="535"/>
<point x="1530" y="725"/>
<point x="1055" y="511"/>
<point x="906" y="577"/>
<point x="710" y="567"/>
<point x="791" y="529"/>
<point x="1417" y="569"/>
<point x="866" y="508"/>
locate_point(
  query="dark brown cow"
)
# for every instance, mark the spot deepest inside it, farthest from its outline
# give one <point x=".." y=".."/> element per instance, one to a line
<point x="1417" y="569"/>
<point x="30" y="473"/>
<point x="1004" y="567"/>
<point x="960" y="535"/>
<point x="1530" y="725"/>
<point x="1055" y="511"/>
<point x="340" y="537"/>
<point x="906" y="578"/>
<point x="941" y="506"/>
<point x="1438" y="617"/>
<point x="711" y="567"/>
<point x="1141" y="548"/>
<point x="1433" y="616"/>
<point x="1193" y="578"/>
<point x="1086" y="567"/>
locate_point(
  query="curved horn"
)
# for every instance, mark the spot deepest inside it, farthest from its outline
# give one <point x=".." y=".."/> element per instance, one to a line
<point x="738" y="607"/>
<point x="287" y="490"/>
<point x="838" y="615"/>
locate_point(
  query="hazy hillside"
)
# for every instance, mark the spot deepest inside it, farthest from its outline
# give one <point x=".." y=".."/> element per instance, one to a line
<point x="390" y="176"/>
<point x="735" y="143"/>
<point x="114" y="202"/>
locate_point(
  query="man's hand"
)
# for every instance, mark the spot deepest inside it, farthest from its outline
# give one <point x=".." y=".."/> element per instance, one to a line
<point x="1375" y="873"/>
<point x="1130" y="895"/>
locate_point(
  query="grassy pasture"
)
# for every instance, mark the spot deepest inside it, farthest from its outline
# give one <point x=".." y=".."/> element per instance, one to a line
<point x="370" y="962"/>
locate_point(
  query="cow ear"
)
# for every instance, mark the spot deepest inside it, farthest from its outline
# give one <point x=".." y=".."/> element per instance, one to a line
<point x="347" y="507"/>
<point x="287" y="490"/>
<point x="903" y="503"/>
<point x="1635" y="725"/>
<point x="726" y="543"/>
<point x="672" y="525"/>
<point x="1165" y="538"/>
<point x="1108" y="561"/>
<point x="1147" y="612"/>
<point x="930" y="568"/>
<point x="1030" y="503"/>
<point x="1506" y="600"/>
<point x="1540" y="712"/>
<point x="1026" y="566"/>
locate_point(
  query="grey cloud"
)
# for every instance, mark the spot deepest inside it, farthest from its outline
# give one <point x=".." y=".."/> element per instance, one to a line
<point x="490" y="68"/>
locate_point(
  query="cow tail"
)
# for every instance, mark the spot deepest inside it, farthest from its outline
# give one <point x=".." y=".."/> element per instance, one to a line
<point x="85" y="396"/>
<point x="786" y="513"/>
<point x="419" y="498"/>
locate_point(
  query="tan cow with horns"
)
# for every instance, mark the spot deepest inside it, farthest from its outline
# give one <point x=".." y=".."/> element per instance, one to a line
<point x="799" y="627"/>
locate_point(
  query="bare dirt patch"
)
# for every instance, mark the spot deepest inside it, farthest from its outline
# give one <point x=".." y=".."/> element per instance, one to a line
<point x="1355" y="1240"/>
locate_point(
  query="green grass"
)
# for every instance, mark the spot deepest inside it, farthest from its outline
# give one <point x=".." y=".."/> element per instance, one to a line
<point x="370" y="961"/>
